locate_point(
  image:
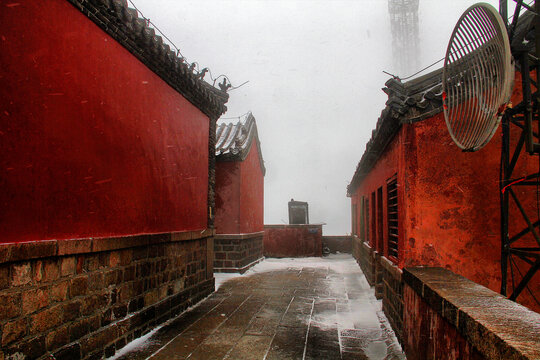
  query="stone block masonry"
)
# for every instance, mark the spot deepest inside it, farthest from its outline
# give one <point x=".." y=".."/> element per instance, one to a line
<point x="392" y="297"/>
<point x="363" y="254"/>
<point x="447" y="316"/>
<point x="87" y="298"/>
<point x="237" y="252"/>
<point x="385" y="278"/>
<point x="335" y="244"/>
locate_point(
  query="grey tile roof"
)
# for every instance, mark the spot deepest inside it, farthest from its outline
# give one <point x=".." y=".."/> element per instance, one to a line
<point x="421" y="98"/>
<point x="234" y="141"/>
<point x="123" y="24"/>
<point x="408" y="102"/>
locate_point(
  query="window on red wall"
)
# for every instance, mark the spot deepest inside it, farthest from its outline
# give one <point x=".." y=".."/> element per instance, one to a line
<point x="354" y="219"/>
<point x="373" y="222"/>
<point x="362" y="231"/>
<point x="392" y="216"/>
<point x="380" y="226"/>
<point x="366" y="219"/>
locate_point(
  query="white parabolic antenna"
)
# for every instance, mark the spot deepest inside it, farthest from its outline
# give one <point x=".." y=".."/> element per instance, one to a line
<point x="478" y="77"/>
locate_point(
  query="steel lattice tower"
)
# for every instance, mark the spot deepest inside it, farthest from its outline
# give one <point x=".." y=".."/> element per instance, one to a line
<point x="404" y="26"/>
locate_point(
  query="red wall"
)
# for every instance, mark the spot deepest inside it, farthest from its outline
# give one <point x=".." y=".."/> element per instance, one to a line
<point x="93" y="143"/>
<point x="387" y="166"/>
<point x="456" y="214"/>
<point x="449" y="210"/>
<point x="293" y="240"/>
<point x="455" y="220"/>
<point x="251" y="193"/>
<point x="240" y="195"/>
<point x="227" y="197"/>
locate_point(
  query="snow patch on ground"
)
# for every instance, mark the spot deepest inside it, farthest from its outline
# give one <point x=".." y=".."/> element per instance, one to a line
<point x="333" y="262"/>
<point x="364" y="312"/>
<point x="221" y="278"/>
<point x="142" y="342"/>
<point x="136" y="345"/>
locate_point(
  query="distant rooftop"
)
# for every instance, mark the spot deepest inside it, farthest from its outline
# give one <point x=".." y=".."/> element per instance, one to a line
<point x="234" y="141"/>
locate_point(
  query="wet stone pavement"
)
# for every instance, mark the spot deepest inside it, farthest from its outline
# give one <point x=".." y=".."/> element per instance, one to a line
<point x="312" y="308"/>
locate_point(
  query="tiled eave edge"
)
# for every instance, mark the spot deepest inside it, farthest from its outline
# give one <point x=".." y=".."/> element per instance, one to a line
<point x="407" y="103"/>
<point x="123" y="24"/>
<point x="497" y="327"/>
<point x="10" y="252"/>
<point x="243" y="153"/>
<point x="387" y="127"/>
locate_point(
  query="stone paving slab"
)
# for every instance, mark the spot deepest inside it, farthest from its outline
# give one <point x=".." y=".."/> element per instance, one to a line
<point x="312" y="308"/>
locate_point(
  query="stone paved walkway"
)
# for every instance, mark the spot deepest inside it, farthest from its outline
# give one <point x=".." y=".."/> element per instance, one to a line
<point x="309" y="308"/>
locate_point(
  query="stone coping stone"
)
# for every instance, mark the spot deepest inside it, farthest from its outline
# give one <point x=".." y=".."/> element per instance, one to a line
<point x="365" y="244"/>
<point x="391" y="267"/>
<point x="11" y="252"/>
<point x="497" y="327"/>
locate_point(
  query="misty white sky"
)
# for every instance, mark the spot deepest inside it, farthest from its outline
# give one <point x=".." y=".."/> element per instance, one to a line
<point x="315" y="78"/>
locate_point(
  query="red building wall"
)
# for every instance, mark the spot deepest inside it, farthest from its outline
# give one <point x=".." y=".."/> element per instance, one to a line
<point x="227" y="197"/>
<point x="293" y="240"/>
<point x="251" y="193"/>
<point x="101" y="146"/>
<point x="449" y="210"/>
<point x="455" y="218"/>
<point x="240" y="195"/>
<point x="388" y="165"/>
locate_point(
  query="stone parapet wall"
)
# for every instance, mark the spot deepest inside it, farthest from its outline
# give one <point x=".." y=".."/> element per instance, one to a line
<point x="342" y="244"/>
<point x="392" y="298"/>
<point x="87" y="298"/>
<point x="378" y="275"/>
<point x="237" y="252"/>
<point x="293" y="240"/>
<point x="447" y="316"/>
<point x="364" y="256"/>
<point x="385" y="277"/>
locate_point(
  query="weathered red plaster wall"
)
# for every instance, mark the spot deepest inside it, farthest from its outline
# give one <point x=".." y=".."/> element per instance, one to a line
<point x="388" y="165"/>
<point x="92" y="142"/>
<point x="251" y="193"/>
<point x="240" y="195"/>
<point x="454" y="206"/>
<point x="293" y="240"/>
<point x="449" y="202"/>
<point x="227" y="197"/>
<point x="455" y="214"/>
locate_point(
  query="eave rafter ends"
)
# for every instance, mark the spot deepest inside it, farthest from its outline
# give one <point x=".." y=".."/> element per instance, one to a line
<point x="408" y="102"/>
<point x="123" y="24"/>
<point x="233" y="141"/>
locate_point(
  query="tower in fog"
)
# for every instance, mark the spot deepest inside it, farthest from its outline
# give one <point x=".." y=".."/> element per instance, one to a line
<point x="404" y="26"/>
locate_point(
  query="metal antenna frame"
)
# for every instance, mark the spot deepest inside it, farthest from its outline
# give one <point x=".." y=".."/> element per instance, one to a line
<point x="522" y="116"/>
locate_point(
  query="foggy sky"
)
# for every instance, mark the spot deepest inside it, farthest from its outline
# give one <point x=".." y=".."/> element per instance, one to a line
<point x="315" y="78"/>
